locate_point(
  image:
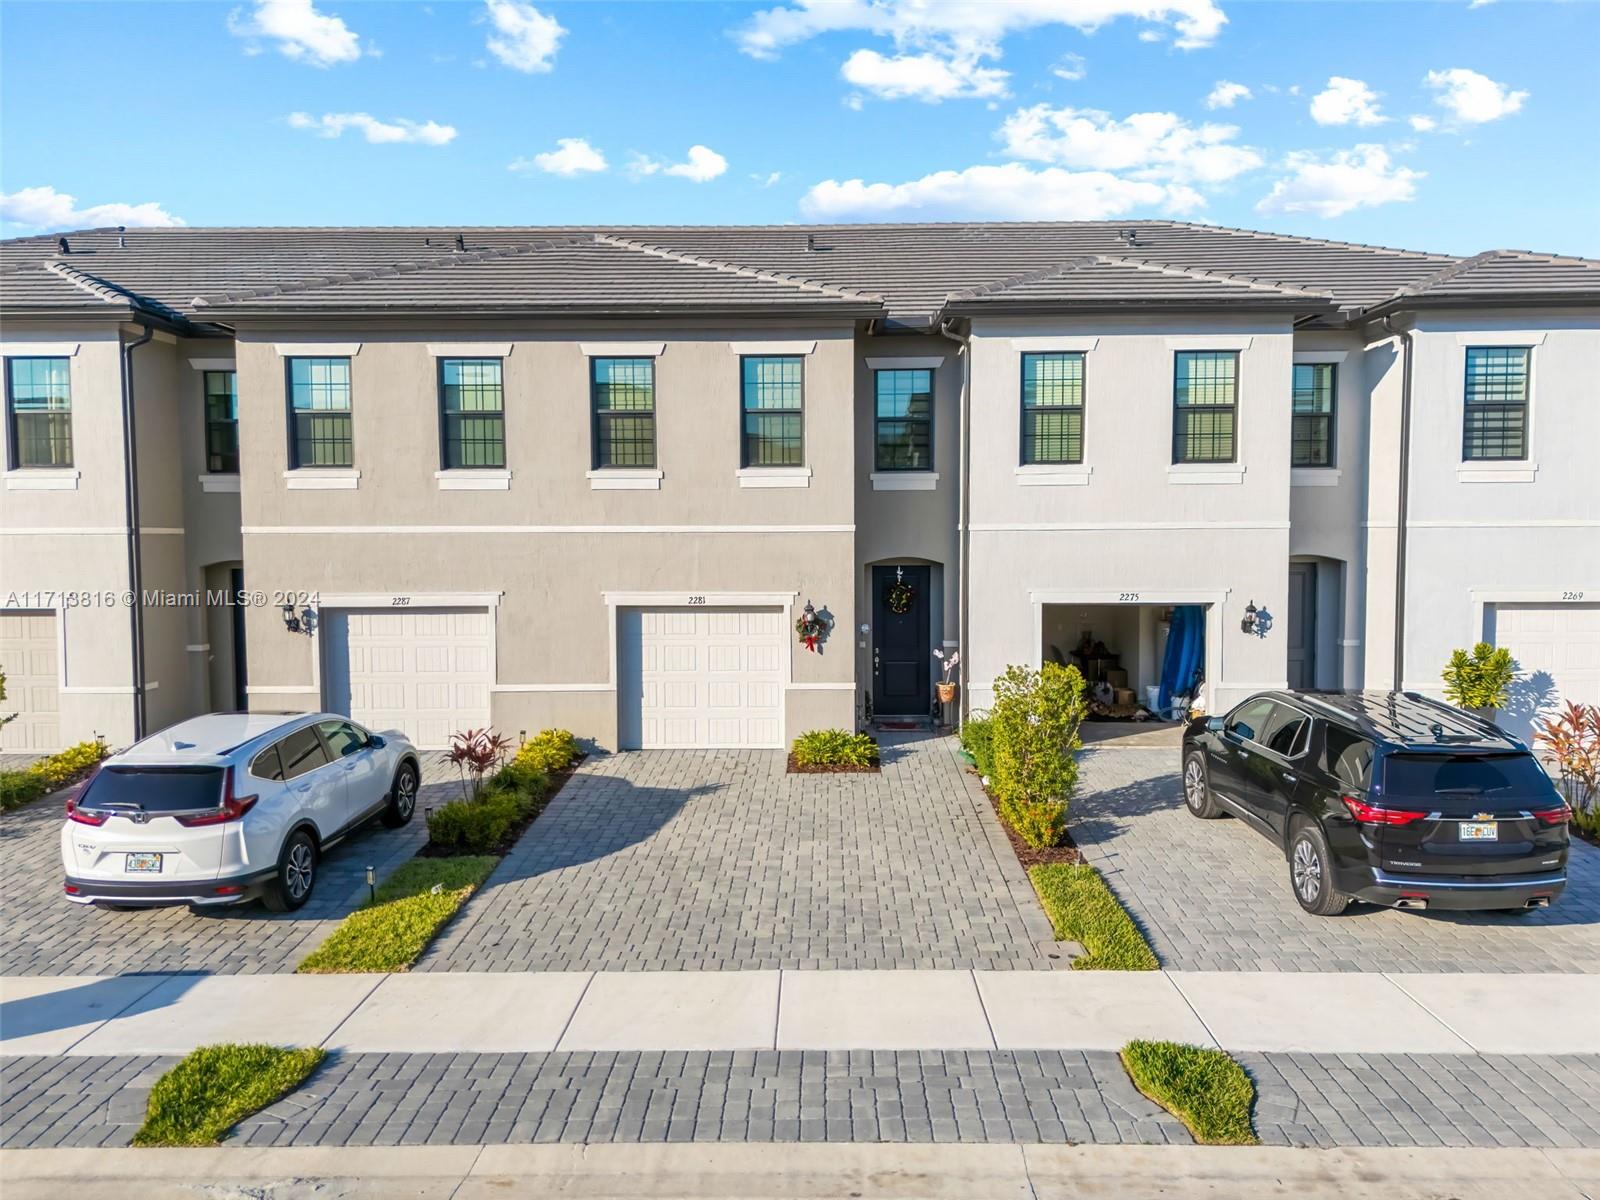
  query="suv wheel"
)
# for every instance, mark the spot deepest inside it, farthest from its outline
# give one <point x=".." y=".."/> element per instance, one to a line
<point x="1311" y="873"/>
<point x="402" y="797"/>
<point x="297" y="874"/>
<point x="1197" y="787"/>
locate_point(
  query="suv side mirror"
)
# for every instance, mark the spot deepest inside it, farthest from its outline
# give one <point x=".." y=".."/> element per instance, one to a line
<point x="374" y="741"/>
<point x="1214" y="724"/>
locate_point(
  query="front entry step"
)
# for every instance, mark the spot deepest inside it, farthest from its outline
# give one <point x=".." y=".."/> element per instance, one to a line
<point x="904" y="724"/>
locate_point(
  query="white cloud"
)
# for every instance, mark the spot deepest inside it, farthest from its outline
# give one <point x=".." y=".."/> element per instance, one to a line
<point x="572" y="157"/>
<point x="1009" y="191"/>
<point x="1362" y="177"/>
<point x="927" y="77"/>
<point x="1227" y="93"/>
<point x="1472" y="97"/>
<point x="1423" y="124"/>
<point x="379" y="133"/>
<point x="524" y="38"/>
<point x="1346" y="102"/>
<point x="1071" y="67"/>
<point x="44" y="208"/>
<point x="769" y="179"/>
<point x="1153" y="145"/>
<point x="300" y="31"/>
<point x="703" y="165"/>
<point x="641" y="166"/>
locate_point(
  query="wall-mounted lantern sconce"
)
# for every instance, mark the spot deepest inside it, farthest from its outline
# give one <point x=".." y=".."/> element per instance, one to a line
<point x="290" y="621"/>
<point x="304" y="623"/>
<point x="1256" y="621"/>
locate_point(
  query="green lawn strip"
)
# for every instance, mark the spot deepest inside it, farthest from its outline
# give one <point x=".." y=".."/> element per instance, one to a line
<point x="1083" y="909"/>
<point x="216" y="1087"/>
<point x="411" y="906"/>
<point x="1205" y="1089"/>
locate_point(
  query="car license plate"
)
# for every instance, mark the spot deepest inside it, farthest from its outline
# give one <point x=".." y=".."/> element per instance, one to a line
<point x="144" y="864"/>
<point x="1480" y="831"/>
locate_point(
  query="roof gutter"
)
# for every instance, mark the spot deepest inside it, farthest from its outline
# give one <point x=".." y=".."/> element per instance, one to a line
<point x="946" y="329"/>
<point x="130" y="465"/>
<point x="1403" y="336"/>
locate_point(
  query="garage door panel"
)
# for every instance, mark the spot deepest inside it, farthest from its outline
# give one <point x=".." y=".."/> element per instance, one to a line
<point x="1557" y="650"/>
<point x="28" y="654"/>
<point x="701" y="678"/>
<point x="426" y="672"/>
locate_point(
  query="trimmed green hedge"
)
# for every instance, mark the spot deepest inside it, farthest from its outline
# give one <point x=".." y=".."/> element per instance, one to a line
<point x="548" y="751"/>
<point x="977" y="739"/>
<point x="515" y="793"/>
<point x="1034" y="732"/>
<point x="835" y="748"/>
<point x="1083" y="909"/>
<point x="1205" y="1089"/>
<point x="215" y="1087"/>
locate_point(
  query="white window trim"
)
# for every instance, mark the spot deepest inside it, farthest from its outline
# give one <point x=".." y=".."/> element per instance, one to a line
<point x="775" y="349"/>
<point x="923" y="363"/>
<point x="317" y="349"/>
<point x="1186" y="473"/>
<point x="1515" y="470"/>
<point x="219" y="482"/>
<point x="905" y="481"/>
<point x="1499" y="470"/>
<point x="39" y="349"/>
<point x="1054" y="345"/>
<point x="1054" y="474"/>
<point x="625" y="479"/>
<point x="1314" y="476"/>
<point x="1482" y="598"/>
<point x="1207" y="472"/>
<point x="1321" y="356"/>
<point x="474" y="479"/>
<point x="214" y="364"/>
<point x="1507" y="337"/>
<point x="774" y="477"/>
<point x="622" y="349"/>
<point x="469" y="349"/>
<point x="42" y="479"/>
<point x="323" y="479"/>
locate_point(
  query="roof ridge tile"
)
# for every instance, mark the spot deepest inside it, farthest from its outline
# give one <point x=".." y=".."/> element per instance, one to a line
<point x="728" y="267"/>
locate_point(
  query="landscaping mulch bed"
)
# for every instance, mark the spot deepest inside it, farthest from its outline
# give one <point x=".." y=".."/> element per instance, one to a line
<point x="558" y="780"/>
<point x="830" y="768"/>
<point x="1026" y="854"/>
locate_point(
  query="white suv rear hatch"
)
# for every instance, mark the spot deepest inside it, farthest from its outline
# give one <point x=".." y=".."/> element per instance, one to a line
<point x="147" y="822"/>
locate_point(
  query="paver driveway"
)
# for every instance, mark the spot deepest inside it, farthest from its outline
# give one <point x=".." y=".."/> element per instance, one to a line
<point x="45" y="934"/>
<point x="1214" y="895"/>
<point x="719" y="860"/>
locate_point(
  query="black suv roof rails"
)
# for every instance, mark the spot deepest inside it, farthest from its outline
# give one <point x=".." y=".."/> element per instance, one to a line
<point x="1407" y="718"/>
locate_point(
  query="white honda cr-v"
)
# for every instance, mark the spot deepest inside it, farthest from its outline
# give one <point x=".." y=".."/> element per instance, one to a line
<point x="224" y="808"/>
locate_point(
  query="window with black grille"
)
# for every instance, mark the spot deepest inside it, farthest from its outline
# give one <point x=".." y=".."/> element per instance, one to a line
<point x="472" y="413"/>
<point x="624" y="398"/>
<point x="319" y="412"/>
<point x="1052" y="408"/>
<point x="1496" y="410"/>
<point x="1311" y="438"/>
<point x="772" y="391"/>
<point x="1205" y="406"/>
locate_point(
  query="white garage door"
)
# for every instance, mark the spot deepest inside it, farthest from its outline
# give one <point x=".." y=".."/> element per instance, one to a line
<point x="28" y="657"/>
<point x="1557" y="648"/>
<point x="426" y="672"/>
<point x="700" y="677"/>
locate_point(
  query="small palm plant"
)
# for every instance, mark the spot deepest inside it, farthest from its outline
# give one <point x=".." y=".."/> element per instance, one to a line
<point x="1479" y="680"/>
<point x="476" y="752"/>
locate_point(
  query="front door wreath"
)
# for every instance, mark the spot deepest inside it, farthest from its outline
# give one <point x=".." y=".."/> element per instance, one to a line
<point x="899" y="597"/>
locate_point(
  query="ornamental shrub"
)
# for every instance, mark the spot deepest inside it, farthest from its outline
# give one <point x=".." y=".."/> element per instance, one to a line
<point x="548" y="751"/>
<point x="1035" y="722"/>
<point x="74" y="760"/>
<point x="18" y="788"/>
<point x="1480" y="678"/>
<point x="475" y="826"/>
<point x="835" y="748"/>
<point x="977" y="739"/>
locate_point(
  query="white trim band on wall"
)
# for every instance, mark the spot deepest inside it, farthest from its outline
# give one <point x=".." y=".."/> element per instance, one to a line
<point x="1321" y="356"/>
<point x="404" y="601"/>
<point x="819" y="687"/>
<point x="470" y="349"/>
<point x="758" y="348"/>
<point x="317" y="349"/>
<point x="1501" y="337"/>
<point x="622" y="349"/>
<point x="699" y="599"/>
<point x="554" y="530"/>
<point x="39" y="349"/>
<point x="927" y="362"/>
<point x="292" y="689"/>
<point x="1214" y="341"/>
<point x="552" y="687"/>
<point x="1056" y="345"/>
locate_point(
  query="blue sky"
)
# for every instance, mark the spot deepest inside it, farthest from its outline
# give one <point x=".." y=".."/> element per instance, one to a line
<point x="1444" y="126"/>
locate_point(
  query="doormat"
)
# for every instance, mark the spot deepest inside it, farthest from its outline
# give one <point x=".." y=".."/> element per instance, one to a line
<point x="901" y="724"/>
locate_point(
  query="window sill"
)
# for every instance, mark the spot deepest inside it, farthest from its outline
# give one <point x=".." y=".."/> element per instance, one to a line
<point x="1314" y="476"/>
<point x="1508" y="472"/>
<point x="322" y="479"/>
<point x="219" y="483"/>
<point x="471" y="479"/>
<point x="625" y="479"/>
<point x="905" y="481"/>
<point x="1054" y="475"/>
<point x="1205" y="473"/>
<point x="775" y="477"/>
<point x="42" y="479"/>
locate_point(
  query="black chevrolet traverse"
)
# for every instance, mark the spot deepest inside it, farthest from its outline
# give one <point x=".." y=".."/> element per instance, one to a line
<point x="1387" y="797"/>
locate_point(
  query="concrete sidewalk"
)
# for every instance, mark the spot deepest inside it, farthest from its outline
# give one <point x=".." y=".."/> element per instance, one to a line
<point x="755" y="1172"/>
<point x="502" y="1012"/>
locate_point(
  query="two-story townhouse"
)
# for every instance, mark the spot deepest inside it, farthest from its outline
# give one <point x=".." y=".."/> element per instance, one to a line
<point x="593" y="477"/>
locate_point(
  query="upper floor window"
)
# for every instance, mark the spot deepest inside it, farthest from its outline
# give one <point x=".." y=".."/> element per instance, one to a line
<point x="1205" y="406"/>
<point x="39" y="399"/>
<point x="1311" y="439"/>
<point x="222" y="422"/>
<point x="472" y="413"/>
<point x="773" y="391"/>
<point x="319" y="412"/>
<point x="1052" y="408"/>
<point x="904" y="420"/>
<point x="624" y="394"/>
<point x="1496" y="421"/>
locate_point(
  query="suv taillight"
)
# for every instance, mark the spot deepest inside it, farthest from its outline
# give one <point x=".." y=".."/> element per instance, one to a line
<point x="231" y="809"/>
<point x="1372" y="814"/>
<point x="1554" y="816"/>
<point x="74" y="813"/>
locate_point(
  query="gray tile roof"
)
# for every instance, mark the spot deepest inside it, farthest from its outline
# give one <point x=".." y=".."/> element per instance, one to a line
<point x="1104" y="279"/>
<point x="914" y="268"/>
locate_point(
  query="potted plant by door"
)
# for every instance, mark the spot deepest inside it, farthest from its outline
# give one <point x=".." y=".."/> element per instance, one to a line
<point x="947" y="687"/>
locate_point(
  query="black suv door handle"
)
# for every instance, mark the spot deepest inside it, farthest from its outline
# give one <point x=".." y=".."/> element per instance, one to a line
<point x="1289" y="778"/>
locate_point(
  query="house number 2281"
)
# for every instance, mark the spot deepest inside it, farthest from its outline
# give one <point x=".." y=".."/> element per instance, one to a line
<point x="694" y="600"/>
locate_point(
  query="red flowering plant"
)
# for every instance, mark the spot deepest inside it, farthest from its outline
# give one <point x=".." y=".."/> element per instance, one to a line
<point x="476" y="752"/>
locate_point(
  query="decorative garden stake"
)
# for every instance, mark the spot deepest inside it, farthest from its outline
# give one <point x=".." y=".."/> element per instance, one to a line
<point x="811" y="627"/>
